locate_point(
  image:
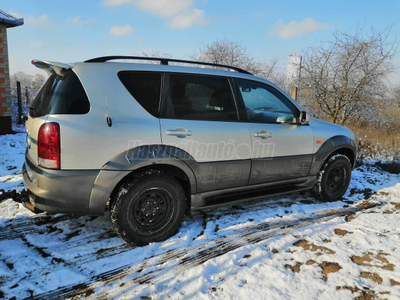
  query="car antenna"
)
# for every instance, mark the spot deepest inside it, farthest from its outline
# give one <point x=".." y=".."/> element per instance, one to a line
<point x="108" y="119"/>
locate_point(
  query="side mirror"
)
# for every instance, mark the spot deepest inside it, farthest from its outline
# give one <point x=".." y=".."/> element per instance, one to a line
<point x="304" y="117"/>
<point x="288" y="119"/>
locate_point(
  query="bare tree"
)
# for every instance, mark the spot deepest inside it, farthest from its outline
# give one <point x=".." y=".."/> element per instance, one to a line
<point x="390" y="110"/>
<point x="396" y="92"/>
<point x="27" y="80"/>
<point x="38" y="80"/>
<point x="345" y="76"/>
<point x="154" y="53"/>
<point x="232" y="53"/>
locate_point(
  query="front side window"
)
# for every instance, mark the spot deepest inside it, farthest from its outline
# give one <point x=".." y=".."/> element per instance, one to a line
<point x="265" y="104"/>
<point x="195" y="97"/>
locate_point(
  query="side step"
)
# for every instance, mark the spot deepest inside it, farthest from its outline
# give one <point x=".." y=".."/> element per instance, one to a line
<point x="248" y="196"/>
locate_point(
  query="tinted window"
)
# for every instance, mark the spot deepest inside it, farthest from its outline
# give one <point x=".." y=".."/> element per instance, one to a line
<point x="194" y="97"/>
<point x="144" y="87"/>
<point x="264" y="104"/>
<point x="61" y="95"/>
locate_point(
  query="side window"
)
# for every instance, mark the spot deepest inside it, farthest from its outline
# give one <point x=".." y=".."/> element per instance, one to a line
<point x="196" y="97"/>
<point x="264" y="104"/>
<point x="145" y="87"/>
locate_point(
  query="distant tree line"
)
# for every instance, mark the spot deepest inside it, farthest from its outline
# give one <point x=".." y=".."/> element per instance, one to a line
<point x="343" y="80"/>
<point x="31" y="81"/>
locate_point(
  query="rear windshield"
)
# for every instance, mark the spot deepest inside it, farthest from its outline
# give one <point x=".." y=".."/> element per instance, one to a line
<point x="60" y="95"/>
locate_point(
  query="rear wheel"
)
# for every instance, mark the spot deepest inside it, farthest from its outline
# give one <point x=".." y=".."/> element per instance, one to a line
<point x="333" y="179"/>
<point x="148" y="208"/>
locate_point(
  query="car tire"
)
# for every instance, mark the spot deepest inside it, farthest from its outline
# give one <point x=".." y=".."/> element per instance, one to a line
<point x="148" y="208"/>
<point x="333" y="179"/>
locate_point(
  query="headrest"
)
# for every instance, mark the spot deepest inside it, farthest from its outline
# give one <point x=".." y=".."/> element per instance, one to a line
<point x="218" y="99"/>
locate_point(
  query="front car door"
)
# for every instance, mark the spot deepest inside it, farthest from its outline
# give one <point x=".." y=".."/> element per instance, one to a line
<point x="200" y="124"/>
<point x="281" y="148"/>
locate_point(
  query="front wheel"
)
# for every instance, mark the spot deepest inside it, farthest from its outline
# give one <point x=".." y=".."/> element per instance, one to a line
<point x="148" y="209"/>
<point x="333" y="179"/>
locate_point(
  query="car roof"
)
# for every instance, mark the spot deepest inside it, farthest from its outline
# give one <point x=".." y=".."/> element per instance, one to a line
<point x="103" y="64"/>
<point x="168" y="68"/>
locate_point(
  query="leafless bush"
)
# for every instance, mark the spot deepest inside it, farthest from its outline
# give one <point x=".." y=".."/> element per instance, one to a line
<point x="376" y="141"/>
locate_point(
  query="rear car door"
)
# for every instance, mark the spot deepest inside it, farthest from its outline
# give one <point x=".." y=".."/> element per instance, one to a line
<point x="282" y="148"/>
<point x="200" y="124"/>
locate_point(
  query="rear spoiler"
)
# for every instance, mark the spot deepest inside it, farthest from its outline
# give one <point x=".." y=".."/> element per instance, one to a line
<point x="52" y="67"/>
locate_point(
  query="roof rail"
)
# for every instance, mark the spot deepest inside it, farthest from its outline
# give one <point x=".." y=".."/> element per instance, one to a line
<point x="164" y="61"/>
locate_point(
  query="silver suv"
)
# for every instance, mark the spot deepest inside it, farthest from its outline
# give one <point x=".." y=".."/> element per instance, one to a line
<point x="149" y="142"/>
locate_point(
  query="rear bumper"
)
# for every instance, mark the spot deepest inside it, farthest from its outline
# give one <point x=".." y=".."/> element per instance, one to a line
<point x="59" y="191"/>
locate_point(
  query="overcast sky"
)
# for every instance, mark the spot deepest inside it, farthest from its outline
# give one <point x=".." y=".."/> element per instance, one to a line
<point x="75" y="30"/>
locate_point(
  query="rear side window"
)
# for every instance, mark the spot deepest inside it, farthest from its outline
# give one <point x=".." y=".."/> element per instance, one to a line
<point x="61" y="95"/>
<point x="145" y="87"/>
<point x="198" y="97"/>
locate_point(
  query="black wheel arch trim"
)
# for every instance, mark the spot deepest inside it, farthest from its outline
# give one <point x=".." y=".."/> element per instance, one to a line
<point x="114" y="171"/>
<point x="332" y="145"/>
<point x="122" y="165"/>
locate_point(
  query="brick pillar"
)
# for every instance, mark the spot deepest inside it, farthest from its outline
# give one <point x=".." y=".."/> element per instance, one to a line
<point x="5" y="99"/>
<point x="5" y="96"/>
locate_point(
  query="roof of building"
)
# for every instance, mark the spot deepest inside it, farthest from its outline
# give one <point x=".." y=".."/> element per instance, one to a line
<point x="9" y="21"/>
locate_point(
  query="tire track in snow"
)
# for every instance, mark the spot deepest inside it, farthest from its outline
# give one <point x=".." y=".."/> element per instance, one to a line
<point x="211" y="250"/>
<point x="40" y="223"/>
<point x="164" y="266"/>
<point x="36" y="224"/>
<point x="73" y="235"/>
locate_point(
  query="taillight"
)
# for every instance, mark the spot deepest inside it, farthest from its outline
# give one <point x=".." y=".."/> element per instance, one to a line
<point x="49" y="146"/>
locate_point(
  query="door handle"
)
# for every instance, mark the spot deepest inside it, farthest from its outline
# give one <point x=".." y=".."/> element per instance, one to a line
<point x="179" y="132"/>
<point x="263" y="134"/>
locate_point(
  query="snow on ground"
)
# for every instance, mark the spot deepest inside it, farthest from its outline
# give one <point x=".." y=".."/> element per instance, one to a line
<point x="289" y="247"/>
<point x="12" y="150"/>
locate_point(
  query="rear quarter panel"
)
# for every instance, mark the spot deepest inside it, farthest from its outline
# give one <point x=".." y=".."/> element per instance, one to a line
<point x="87" y="142"/>
<point x="32" y="129"/>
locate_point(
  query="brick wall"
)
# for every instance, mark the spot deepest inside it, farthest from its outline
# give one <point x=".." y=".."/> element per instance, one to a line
<point x="5" y="99"/>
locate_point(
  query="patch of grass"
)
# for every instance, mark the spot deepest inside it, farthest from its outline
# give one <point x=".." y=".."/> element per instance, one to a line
<point x="367" y="259"/>
<point x="376" y="141"/>
<point x="312" y="247"/>
<point x="373" y="276"/>
<point x="295" y="268"/>
<point x="329" y="267"/>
